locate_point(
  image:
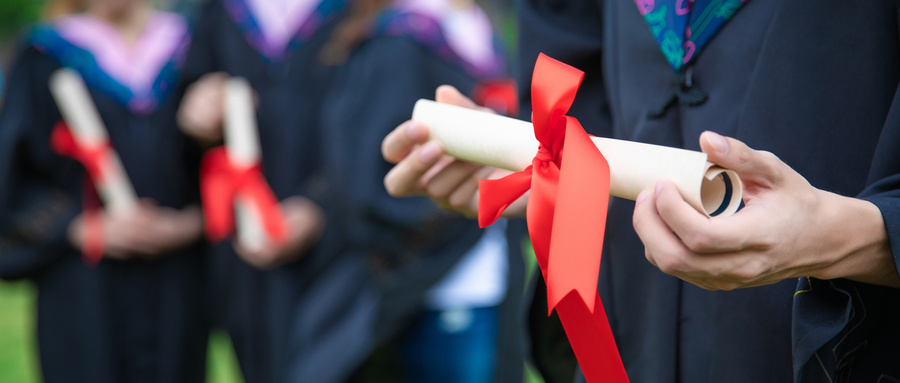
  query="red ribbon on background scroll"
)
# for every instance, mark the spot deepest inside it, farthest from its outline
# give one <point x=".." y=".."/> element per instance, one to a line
<point x="221" y="181"/>
<point x="499" y="95"/>
<point x="569" y="183"/>
<point x="97" y="162"/>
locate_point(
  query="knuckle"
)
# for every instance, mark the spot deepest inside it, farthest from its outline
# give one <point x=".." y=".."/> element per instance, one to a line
<point x="437" y="192"/>
<point x="699" y="241"/>
<point x="703" y="284"/>
<point x="746" y="273"/>
<point x="391" y="186"/>
<point x="459" y="201"/>
<point x="670" y="263"/>
<point x="745" y="156"/>
<point x="771" y="166"/>
<point x="637" y="219"/>
<point x="649" y="257"/>
<point x="726" y="286"/>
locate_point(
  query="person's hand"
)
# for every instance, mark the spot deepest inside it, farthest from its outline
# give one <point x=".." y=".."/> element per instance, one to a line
<point x="202" y="110"/>
<point x="146" y="232"/>
<point x="422" y="168"/>
<point x="787" y="229"/>
<point x="306" y="223"/>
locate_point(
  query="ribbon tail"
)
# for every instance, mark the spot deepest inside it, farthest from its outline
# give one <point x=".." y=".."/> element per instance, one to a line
<point x="266" y="204"/>
<point x="591" y="339"/>
<point x="61" y="140"/>
<point x="93" y="246"/>
<point x="217" y="194"/>
<point x="540" y="212"/>
<point x="579" y="219"/>
<point x="494" y="196"/>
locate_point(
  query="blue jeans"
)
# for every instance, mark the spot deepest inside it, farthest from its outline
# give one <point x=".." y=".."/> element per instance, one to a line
<point x="452" y="346"/>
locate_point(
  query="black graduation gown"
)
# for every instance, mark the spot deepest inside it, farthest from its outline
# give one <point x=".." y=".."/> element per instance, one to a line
<point x="118" y="321"/>
<point x="814" y="84"/>
<point x="260" y="309"/>
<point x="410" y="242"/>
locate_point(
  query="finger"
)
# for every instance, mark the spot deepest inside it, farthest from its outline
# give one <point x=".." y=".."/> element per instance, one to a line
<point x="465" y="197"/>
<point x="443" y="184"/>
<point x="400" y="142"/>
<point x="447" y="94"/>
<point x="662" y="248"/>
<point x="215" y="81"/>
<point x="262" y="259"/>
<point x="755" y="167"/>
<point x="403" y="180"/>
<point x="697" y="231"/>
<point x="438" y="167"/>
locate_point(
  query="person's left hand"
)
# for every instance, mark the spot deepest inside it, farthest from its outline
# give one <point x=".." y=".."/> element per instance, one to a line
<point x="787" y="229"/>
<point x="305" y="225"/>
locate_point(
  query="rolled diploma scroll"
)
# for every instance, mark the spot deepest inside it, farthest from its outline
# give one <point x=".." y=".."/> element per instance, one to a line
<point x="243" y="148"/>
<point x="510" y="144"/>
<point x="83" y="119"/>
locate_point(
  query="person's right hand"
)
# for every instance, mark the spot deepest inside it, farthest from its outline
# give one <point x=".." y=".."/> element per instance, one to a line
<point x="306" y="224"/>
<point x="146" y="232"/>
<point x="202" y="110"/>
<point x="422" y="168"/>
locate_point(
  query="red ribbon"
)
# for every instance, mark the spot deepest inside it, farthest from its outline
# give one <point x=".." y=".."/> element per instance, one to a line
<point x="97" y="161"/>
<point x="95" y="158"/>
<point x="566" y="217"/>
<point x="499" y="95"/>
<point x="221" y="181"/>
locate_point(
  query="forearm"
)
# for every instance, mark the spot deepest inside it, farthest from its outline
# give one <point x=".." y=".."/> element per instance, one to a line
<point x="857" y="240"/>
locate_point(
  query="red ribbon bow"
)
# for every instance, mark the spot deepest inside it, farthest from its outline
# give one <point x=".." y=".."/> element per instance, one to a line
<point x="566" y="217"/>
<point x="97" y="161"/>
<point x="221" y="181"/>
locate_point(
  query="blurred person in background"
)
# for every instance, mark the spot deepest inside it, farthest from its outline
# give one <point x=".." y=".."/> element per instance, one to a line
<point x="133" y="309"/>
<point x="442" y="279"/>
<point x="274" y="45"/>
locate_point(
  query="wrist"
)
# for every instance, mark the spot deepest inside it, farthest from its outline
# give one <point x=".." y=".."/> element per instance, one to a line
<point x="857" y="242"/>
<point x="75" y="232"/>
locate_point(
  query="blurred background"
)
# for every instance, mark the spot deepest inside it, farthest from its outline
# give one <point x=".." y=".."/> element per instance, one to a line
<point x="18" y="354"/>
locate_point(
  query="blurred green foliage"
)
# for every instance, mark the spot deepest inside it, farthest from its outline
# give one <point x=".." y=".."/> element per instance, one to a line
<point x="14" y="14"/>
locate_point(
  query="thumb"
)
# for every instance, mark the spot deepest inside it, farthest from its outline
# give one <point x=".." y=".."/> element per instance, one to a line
<point x="447" y="94"/>
<point x="755" y="166"/>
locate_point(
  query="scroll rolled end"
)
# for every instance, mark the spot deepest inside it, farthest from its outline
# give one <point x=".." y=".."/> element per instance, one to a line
<point x="721" y="192"/>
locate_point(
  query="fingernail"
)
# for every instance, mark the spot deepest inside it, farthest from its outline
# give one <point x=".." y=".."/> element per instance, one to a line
<point x="641" y="197"/>
<point x="719" y="143"/>
<point x="415" y="131"/>
<point x="429" y="152"/>
<point x="659" y="186"/>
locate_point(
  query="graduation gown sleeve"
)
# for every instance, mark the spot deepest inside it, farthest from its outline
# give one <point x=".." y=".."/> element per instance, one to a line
<point x="36" y="199"/>
<point x="844" y="330"/>
<point x="884" y="178"/>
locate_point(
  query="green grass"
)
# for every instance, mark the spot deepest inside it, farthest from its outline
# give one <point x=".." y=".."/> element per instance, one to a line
<point x="221" y="366"/>
<point x="18" y="350"/>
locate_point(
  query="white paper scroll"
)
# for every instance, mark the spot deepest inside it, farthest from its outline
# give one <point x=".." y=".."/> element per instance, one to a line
<point x="243" y="148"/>
<point x="508" y="143"/>
<point x="81" y="115"/>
